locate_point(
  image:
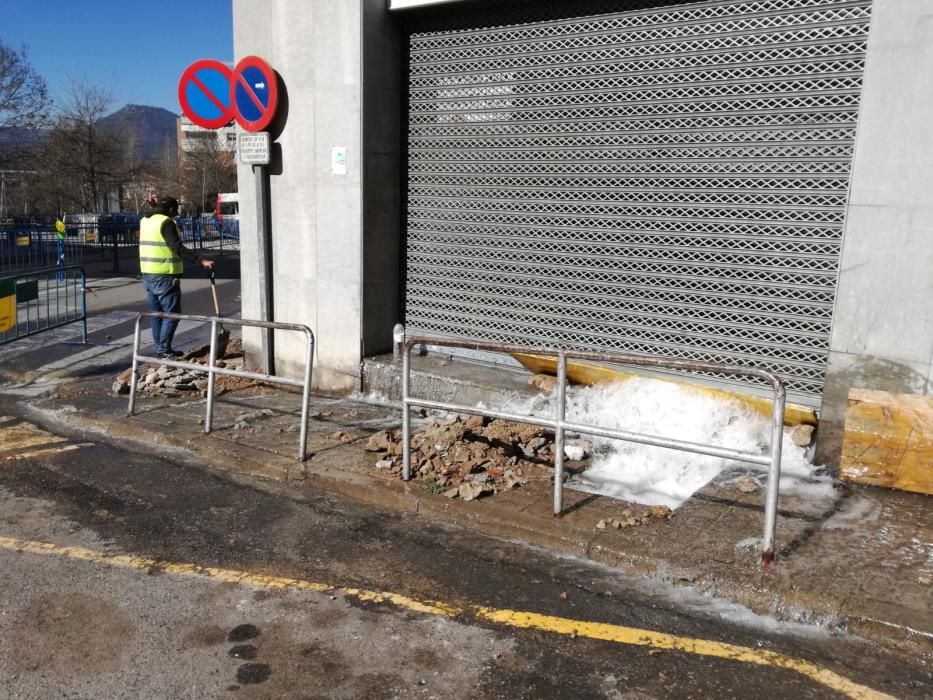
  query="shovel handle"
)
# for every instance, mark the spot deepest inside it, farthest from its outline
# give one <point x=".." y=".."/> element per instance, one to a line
<point x="214" y="294"/>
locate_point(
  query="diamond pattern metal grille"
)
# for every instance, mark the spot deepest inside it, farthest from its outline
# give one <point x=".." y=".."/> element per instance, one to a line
<point x="651" y="179"/>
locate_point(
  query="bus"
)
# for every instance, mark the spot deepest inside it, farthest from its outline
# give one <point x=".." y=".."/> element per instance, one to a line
<point x="228" y="204"/>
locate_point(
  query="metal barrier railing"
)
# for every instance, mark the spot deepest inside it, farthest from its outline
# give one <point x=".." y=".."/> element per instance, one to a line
<point x="559" y="424"/>
<point x="211" y="368"/>
<point x="30" y="246"/>
<point x="42" y="300"/>
<point x="210" y="233"/>
<point x="113" y="236"/>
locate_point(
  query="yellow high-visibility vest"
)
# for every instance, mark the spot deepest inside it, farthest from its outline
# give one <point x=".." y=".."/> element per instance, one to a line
<point x="155" y="257"/>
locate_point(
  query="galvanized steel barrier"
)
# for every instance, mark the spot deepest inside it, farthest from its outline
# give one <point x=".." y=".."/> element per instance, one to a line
<point x="41" y="300"/>
<point x="38" y="245"/>
<point x="200" y="233"/>
<point x="559" y="423"/>
<point x="211" y="368"/>
<point x="101" y="237"/>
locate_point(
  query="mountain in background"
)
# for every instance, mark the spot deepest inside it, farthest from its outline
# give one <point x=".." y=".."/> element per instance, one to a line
<point x="154" y="125"/>
<point x="24" y="138"/>
<point x="17" y="145"/>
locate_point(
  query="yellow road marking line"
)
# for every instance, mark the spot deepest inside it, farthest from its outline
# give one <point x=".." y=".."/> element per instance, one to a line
<point x="619" y="634"/>
<point x="659" y="640"/>
<point x="24" y="435"/>
<point x="17" y="440"/>
<point x="39" y="453"/>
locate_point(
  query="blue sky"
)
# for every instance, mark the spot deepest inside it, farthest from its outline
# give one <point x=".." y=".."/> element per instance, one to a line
<point x="135" y="49"/>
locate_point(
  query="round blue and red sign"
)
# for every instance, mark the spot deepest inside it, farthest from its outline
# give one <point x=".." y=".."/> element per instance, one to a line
<point x="212" y="95"/>
<point x="204" y="93"/>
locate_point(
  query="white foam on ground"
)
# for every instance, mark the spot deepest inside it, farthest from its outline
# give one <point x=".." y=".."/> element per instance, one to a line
<point x="659" y="476"/>
<point x="374" y="397"/>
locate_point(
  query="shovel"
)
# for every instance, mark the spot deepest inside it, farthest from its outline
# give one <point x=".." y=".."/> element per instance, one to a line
<point x="223" y="335"/>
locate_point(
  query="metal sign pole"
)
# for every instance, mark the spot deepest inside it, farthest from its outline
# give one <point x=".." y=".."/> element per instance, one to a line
<point x="247" y="94"/>
<point x="264" y="241"/>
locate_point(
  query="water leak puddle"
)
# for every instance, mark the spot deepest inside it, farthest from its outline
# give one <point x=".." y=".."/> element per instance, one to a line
<point x="659" y="476"/>
<point x="242" y="633"/>
<point x="243" y="651"/>
<point x="252" y="674"/>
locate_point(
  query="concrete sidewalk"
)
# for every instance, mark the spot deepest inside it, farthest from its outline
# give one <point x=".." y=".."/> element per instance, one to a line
<point x="861" y="563"/>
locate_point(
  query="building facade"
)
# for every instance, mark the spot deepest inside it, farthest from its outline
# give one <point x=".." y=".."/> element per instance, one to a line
<point x="740" y="181"/>
<point x="193" y="139"/>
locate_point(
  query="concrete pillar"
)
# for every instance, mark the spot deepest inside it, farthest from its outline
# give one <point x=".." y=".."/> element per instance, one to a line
<point x="883" y="321"/>
<point x="318" y="215"/>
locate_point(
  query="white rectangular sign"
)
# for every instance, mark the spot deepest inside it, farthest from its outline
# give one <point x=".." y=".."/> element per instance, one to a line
<point x="254" y="149"/>
<point x="338" y="160"/>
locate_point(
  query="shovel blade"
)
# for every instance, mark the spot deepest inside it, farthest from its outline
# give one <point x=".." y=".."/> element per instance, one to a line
<point x="223" y="338"/>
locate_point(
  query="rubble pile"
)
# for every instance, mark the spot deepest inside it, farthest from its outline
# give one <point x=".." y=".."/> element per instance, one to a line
<point x="630" y="517"/>
<point x="159" y="380"/>
<point x="471" y="457"/>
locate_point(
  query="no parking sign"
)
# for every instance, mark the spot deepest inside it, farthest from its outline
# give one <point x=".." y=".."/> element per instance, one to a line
<point x="204" y="93"/>
<point x="212" y="95"/>
<point x="255" y="93"/>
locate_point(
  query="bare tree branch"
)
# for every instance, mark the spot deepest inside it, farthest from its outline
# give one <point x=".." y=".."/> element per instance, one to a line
<point x="24" y="96"/>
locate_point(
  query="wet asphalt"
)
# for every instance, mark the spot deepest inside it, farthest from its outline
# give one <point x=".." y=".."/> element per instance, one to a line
<point x="85" y="630"/>
<point x="92" y="631"/>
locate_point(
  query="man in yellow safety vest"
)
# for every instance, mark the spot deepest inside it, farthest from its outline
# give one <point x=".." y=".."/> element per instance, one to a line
<point x="161" y="255"/>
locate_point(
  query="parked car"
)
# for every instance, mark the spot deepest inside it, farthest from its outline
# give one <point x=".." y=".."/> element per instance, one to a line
<point x="120" y="227"/>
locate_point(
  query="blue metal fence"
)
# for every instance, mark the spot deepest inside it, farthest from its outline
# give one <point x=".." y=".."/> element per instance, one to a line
<point x="42" y="300"/>
<point x="210" y="233"/>
<point x="107" y="237"/>
<point x="33" y="246"/>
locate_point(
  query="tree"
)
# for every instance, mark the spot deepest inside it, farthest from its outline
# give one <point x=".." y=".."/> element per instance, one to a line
<point x="84" y="162"/>
<point x="205" y="171"/>
<point x="24" y="97"/>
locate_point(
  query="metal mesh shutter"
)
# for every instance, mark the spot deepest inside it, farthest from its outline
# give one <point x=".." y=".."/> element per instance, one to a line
<point x="669" y="180"/>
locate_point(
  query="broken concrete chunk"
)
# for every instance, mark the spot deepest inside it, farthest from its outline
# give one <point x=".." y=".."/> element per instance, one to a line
<point x="475" y="422"/>
<point x="384" y="464"/>
<point x="459" y="453"/>
<point x="469" y="491"/>
<point x="468" y="468"/>
<point x="543" y="382"/>
<point x="574" y="452"/>
<point x="747" y="484"/>
<point x="381" y="441"/>
<point x="802" y="435"/>
<point x="252" y="415"/>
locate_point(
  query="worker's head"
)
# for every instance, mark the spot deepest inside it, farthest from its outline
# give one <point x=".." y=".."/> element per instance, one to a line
<point x="168" y="206"/>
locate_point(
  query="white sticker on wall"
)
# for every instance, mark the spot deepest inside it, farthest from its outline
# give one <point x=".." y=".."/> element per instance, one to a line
<point x="338" y="160"/>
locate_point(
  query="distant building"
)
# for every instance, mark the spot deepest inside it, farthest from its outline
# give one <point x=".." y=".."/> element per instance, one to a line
<point x="193" y="138"/>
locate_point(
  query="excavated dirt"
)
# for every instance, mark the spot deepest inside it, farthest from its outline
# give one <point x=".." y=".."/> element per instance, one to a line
<point x="170" y="382"/>
<point x="470" y="457"/>
<point x="473" y="457"/>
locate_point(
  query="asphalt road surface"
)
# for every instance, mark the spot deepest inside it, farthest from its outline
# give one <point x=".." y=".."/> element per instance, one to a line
<point x="132" y="575"/>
